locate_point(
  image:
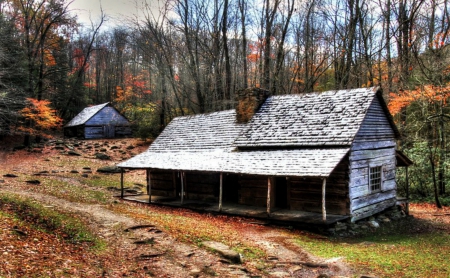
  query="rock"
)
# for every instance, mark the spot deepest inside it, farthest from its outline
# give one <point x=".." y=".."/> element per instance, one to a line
<point x="114" y="148"/>
<point x="74" y="153"/>
<point x="74" y="172"/>
<point x="279" y="274"/>
<point x="295" y="268"/>
<point x="373" y="224"/>
<point x="10" y="176"/>
<point x="223" y="250"/>
<point x="103" y="150"/>
<point x="85" y="175"/>
<point x="41" y="173"/>
<point x="2" y="181"/>
<point x="353" y="226"/>
<point x="102" y="156"/>
<point x="339" y="227"/>
<point x="70" y="147"/>
<point x="33" y="181"/>
<point x="130" y="147"/>
<point x="109" y="169"/>
<point x="195" y="272"/>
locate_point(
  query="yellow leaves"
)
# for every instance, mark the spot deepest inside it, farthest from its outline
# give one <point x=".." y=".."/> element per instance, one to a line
<point x="41" y="117"/>
<point x="49" y="60"/>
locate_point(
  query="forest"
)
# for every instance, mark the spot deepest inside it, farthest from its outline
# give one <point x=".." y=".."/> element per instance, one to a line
<point x="194" y="55"/>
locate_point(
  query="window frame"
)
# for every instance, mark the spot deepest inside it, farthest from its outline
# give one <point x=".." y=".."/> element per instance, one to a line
<point x="379" y="176"/>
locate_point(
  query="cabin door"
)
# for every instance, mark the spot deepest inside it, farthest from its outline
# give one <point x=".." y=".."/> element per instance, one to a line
<point x="281" y="193"/>
<point x="109" y="131"/>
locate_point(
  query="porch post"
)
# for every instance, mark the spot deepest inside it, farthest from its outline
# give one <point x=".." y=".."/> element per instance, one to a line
<point x="121" y="183"/>
<point x="149" y="186"/>
<point x="407" y="191"/>
<point x="269" y="193"/>
<point x="324" y="211"/>
<point x="221" y="192"/>
<point x="182" y="187"/>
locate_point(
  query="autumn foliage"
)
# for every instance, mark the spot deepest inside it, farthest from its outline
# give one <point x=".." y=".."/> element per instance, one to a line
<point x="40" y="116"/>
<point x="427" y="93"/>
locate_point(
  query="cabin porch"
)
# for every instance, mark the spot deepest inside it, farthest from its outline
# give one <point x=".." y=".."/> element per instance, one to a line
<point x="260" y="213"/>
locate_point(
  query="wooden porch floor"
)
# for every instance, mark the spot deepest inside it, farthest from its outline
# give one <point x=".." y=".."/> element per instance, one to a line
<point x="278" y="215"/>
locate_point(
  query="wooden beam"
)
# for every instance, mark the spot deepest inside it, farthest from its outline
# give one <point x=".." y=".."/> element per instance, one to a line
<point x="149" y="186"/>
<point x="221" y="192"/>
<point x="407" y="191"/>
<point x="182" y="187"/>
<point x="269" y="195"/>
<point x="121" y="183"/>
<point x="324" y="210"/>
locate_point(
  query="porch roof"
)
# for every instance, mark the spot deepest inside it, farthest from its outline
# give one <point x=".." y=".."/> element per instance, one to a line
<point x="295" y="162"/>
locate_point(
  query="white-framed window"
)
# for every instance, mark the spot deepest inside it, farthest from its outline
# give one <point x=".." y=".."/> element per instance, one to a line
<point x="375" y="178"/>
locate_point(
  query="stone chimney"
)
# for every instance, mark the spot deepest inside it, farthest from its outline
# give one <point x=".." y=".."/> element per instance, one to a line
<point x="248" y="102"/>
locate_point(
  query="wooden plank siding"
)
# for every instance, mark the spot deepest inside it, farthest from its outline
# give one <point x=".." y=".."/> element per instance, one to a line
<point x="374" y="145"/>
<point x="163" y="183"/>
<point x="108" y="122"/>
<point x="252" y="190"/>
<point x="203" y="186"/>
<point x="306" y="193"/>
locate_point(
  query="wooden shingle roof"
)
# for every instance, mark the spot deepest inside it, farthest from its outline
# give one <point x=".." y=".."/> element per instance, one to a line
<point x="317" y="119"/>
<point x="291" y="135"/>
<point x="212" y="131"/>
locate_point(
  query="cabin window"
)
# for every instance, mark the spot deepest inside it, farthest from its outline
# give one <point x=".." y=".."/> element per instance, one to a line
<point x="375" y="178"/>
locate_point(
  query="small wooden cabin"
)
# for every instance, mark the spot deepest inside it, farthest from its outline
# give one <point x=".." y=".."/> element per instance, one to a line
<point x="99" y="121"/>
<point x="330" y="153"/>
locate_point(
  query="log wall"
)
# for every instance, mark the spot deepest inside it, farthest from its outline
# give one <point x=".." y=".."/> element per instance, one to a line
<point x="252" y="190"/>
<point x="163" y="183"/>
<point x="306" y="193"/>
<point x="202" y="186"/>
<point x="374" y="145"/>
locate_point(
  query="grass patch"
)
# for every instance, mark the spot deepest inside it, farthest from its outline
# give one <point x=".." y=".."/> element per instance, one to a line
<point x="71" y="190"/>
<point x="67" y="226"/>
<point x="400" y="253"/>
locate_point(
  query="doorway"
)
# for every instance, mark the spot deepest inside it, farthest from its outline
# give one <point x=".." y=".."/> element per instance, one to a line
<point x="281" y="193"/>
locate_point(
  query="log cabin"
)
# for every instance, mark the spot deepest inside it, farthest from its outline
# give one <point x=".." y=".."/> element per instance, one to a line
<point x="331" y="155"/>
<point x="98" y="121"/>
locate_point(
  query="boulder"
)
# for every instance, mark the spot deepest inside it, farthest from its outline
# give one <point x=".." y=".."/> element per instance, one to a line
<point x="109" y="169"/>
<point x="223" y="250"/>
<point x="74" y="153"/>
<point x="102" y="156"/>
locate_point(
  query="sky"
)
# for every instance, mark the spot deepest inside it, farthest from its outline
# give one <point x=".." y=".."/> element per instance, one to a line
<point x="116" y="10"/>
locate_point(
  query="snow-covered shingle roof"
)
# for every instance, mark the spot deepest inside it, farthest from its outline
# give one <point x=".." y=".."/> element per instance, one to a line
<point x="292" y="135"/>
<point x="317" y="119"/>
<point x="210" y="131"/>
<point x="86" y="114"/>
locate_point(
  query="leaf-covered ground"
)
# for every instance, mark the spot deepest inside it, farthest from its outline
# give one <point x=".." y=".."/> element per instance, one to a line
<point x="166" y="242"/>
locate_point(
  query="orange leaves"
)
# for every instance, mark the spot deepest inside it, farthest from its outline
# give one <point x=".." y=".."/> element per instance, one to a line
<point x="80" y="60"/>
<point x="40" y="115"/>
<point x="427" y="93"/>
